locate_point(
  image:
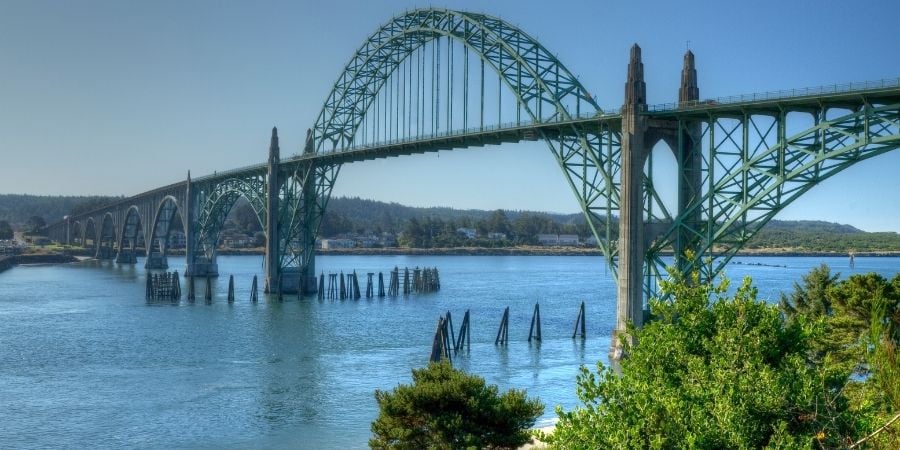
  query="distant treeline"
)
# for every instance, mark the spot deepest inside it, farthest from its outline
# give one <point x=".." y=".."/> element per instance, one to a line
<point x="437" y="227"/>
<point x="18" y="208"/>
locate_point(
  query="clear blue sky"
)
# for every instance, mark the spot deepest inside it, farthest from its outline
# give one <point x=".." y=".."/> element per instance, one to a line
<point x="117" y="97"/>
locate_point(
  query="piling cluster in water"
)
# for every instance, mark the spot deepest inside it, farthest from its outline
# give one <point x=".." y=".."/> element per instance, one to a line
<point x="341" y="286"/>
<point x="445" y="341"/>
<point x="164" y="286"/>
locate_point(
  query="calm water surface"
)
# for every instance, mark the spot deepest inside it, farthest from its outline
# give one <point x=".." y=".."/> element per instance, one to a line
<point x="85" y="361"/>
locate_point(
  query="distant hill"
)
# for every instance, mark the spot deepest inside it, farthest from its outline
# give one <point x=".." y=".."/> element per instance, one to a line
<point x="356" y="215"/>
<point x="18" y="208"/>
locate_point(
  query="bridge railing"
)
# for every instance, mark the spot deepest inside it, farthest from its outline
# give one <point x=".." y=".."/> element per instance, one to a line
<point x="843" y="88"/>
<point x="506" y="126"/>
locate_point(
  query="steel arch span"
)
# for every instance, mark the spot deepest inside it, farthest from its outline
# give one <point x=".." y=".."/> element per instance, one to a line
<point x="544" y="90"/>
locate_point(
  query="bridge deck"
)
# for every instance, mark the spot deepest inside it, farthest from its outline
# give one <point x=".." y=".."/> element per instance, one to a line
<point x="849" y="95"/>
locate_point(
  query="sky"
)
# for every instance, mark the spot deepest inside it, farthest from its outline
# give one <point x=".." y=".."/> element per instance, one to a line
<point x="119" y="97"/>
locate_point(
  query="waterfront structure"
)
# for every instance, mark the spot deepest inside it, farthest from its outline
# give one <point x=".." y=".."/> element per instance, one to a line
<point x="423" y="83"/>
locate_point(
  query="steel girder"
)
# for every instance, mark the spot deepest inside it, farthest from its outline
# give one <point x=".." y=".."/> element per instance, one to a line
<point x="162" y="226"/>
<point x="542" y="86"/>
<point x="539" y="81"/>
<point x="752" y="168"/>
<point x="215" y="200"/>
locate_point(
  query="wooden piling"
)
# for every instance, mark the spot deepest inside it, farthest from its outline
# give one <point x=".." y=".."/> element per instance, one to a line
<point x="191" y="292"/>
<point x="463" y="334"/>
<point x="208" y="294"/>
<point x="321" y="291"/>
<point x="231" y="289"/>
<point x="280" y="294"/>
<point x="439" y="348"/>
<point x="450" y="327"/>
<point x="149" y="289"/>
<point x="535" y="324"/>
<point x="406" y="286"/>
<point x="380" y="284"/>
<point x="370" y="287"/>
<point x="503" y="331"/>
<point x="177" y="280"/>
<point x="580" y="321"/>
<point x="254" y="292"/>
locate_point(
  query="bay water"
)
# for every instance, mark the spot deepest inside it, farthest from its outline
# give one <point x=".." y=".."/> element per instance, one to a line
<point x="87" y="361"/>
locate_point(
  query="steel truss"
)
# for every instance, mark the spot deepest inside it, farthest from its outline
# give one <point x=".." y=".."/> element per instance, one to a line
<point x="753" y="167"/>
<point x="543" y="88"/>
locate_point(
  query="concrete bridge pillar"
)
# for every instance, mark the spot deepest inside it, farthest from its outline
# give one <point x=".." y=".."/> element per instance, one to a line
<point x="630" y="295"/>
<point x="689" y="161"/>
<point x="308" y="268"/>
<point x="126" y="254"/>
<point x="273" y="258"/>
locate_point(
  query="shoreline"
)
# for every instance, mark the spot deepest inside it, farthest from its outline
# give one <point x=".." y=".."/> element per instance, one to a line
<point x="484" y="251"/>
<point x="10" y="261"/>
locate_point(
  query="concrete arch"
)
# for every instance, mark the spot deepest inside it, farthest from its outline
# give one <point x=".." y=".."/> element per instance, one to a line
<point x="108" y="237"/>
<point x="129" y="232"/>
<point x="218" y="204"/>
<point x="91" y="231"/>
<point x="158" y="241"/>
<point x="77" y="233"/>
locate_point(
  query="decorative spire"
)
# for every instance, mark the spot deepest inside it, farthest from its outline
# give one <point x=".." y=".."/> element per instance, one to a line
<point x="273" y="146"/>
<point x="689" y="90"/>
<point x="310" y="146"/>
<point x="189" y="176"/>
<point x="635" y="88"/>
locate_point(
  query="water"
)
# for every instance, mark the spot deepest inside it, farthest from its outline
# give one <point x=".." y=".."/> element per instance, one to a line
<point x="85" y="361"/>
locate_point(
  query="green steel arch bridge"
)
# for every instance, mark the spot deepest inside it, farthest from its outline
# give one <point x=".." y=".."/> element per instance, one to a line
<point x="435" y="79"/>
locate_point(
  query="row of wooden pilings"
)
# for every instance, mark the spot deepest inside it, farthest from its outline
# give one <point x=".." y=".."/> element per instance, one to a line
<point x="446" y="341"/>
<point x="342" y="286"/>
<point x="167" y="286"/>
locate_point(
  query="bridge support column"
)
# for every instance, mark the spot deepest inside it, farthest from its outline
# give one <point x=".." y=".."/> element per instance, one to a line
<point x="308" y="237"/>
<point x="127" y="254"/>
<point x="689" y="164"/>
<point x="273" y="237"/>
<point x="630" y="295"/>
<point x="157" y="261"/>
<point x="197" y="264"/>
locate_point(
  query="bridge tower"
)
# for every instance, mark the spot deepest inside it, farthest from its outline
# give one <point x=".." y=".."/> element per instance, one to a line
<point x="273" y="238"/>
<point x="630" y="296"/>
<point x="310" y="211"/>
<point x="639" y="134"/>
<point x="688" y="154"/>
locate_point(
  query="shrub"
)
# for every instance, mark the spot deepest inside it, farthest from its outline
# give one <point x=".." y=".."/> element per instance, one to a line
<point x="447" y="408"/>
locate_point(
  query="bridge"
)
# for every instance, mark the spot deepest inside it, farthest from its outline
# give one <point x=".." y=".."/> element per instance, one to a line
<point x="434" y="79"/>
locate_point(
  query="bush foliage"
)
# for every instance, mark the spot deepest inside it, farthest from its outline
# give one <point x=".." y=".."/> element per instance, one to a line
<point x="710" y="371"/>
<point x="446" y="408"/>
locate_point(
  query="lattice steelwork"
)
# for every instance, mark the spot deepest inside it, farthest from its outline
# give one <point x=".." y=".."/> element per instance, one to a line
<point x="759" y="159"/>
<point x="215" y="201"/>
<point x="434" y="72"/>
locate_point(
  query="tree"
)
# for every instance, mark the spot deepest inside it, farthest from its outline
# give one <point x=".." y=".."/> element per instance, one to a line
<point x="6" y="231"/>
<point x="35" y="225"/>
<point x="710" y="371"/>
<point x="860" y="333"/>
<point x="447" y="408"/>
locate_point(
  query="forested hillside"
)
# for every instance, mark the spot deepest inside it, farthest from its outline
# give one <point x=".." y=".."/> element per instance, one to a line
<point x="17" y="208"/>
<point x="437" y="227"/>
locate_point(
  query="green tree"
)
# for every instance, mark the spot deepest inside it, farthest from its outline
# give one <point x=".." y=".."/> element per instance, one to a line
<point x="6" y="231"/>
<point x="35" y="225"/>
<point x="809" y="298"/>
<point x="446" y="408"/>
<point x="710" y="371"/>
